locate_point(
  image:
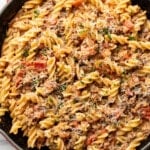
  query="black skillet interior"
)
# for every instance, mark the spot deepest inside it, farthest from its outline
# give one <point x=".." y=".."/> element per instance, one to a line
<point x="5" y="17"/>
<point x="144" y="4"/>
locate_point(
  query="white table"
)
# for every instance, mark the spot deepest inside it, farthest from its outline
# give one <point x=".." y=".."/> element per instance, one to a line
<point x="5" y="144"/>
<point x="2" y="4"/>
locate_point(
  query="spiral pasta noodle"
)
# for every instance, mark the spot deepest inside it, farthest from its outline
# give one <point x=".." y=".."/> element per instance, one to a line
<point x="136" y="141"/>
<point x="75" y="74"/>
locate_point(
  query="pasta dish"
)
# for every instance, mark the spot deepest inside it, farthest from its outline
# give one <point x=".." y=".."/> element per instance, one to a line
<point x="75" y="74"/>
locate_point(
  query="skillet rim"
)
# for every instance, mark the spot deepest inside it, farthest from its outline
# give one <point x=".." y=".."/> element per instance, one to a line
<point x="7" y="13"/>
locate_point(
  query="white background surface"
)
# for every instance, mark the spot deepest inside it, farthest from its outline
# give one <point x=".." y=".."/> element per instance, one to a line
<point x="2" y="4"/>
<point x="4" y="144"/>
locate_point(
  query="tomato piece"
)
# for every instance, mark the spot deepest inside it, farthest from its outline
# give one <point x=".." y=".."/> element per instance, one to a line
<point x="90" y="139"/>
<point x="26" y="64"/>
<point x="129" y="25"/>
<point x="53" y="21"/>
<point x="39" y="65"/>
<point x="36" y="65"/>
<point x="20" y="73"/>
<point x="77" y="3"/>
<point x="127" y="56"/>
<point x="19" y="76"/>
<point x="17" y="81"/>
<point x="74" y="123"/>
<point x="102" y="131"/>
<point x="145" y="111"/>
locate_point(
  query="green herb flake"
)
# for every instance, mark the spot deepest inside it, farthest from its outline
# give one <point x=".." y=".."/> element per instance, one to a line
<point x="94" y="105"/>
<point x="50" y="100"/>
<point x="63" y="87"/>
<point x="131" y="12"/>
<point x="35" y="83"/>
<point x="90" y="80"/>
<point x="60" y="105"/>
<point x="25" y="53"/>
<point x="44" y="51"/>
<point x="36" y="13"/>
<point x="82" y="32"/>
<point x="81" y="26"/>
<point x="82" y="82"/>
<point x="109" y="36"/>
<point x="131" y="38"/>
<point x="105" y="30"/>
<point x="82" y="75"/>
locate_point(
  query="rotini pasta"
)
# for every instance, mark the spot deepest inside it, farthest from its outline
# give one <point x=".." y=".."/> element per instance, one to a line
<point x="75" y="74"/>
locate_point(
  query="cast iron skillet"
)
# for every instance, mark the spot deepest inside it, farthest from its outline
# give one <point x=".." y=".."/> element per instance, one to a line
<point x="18" y="142"/>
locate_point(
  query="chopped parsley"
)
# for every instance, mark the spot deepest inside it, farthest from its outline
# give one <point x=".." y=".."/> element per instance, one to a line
<point x="25" y="52"/>
<point x="36" y="13"/>
<point x="82" y="31"/>
<point x="109" y="36"/>
<point x="124" y="73"/>
<point x="90" y="80"/>
<point x="106" y="31"/>
<point x="82" y="82"/>
<point x="35" y="83"/>
<point x="60" y="104"/>
<point x="44" y="51"/>
<point x="131" y="38"/>
<point x="50" y="99"/>
<point x="62" y="87"/>
<point x="81" y="25"/>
